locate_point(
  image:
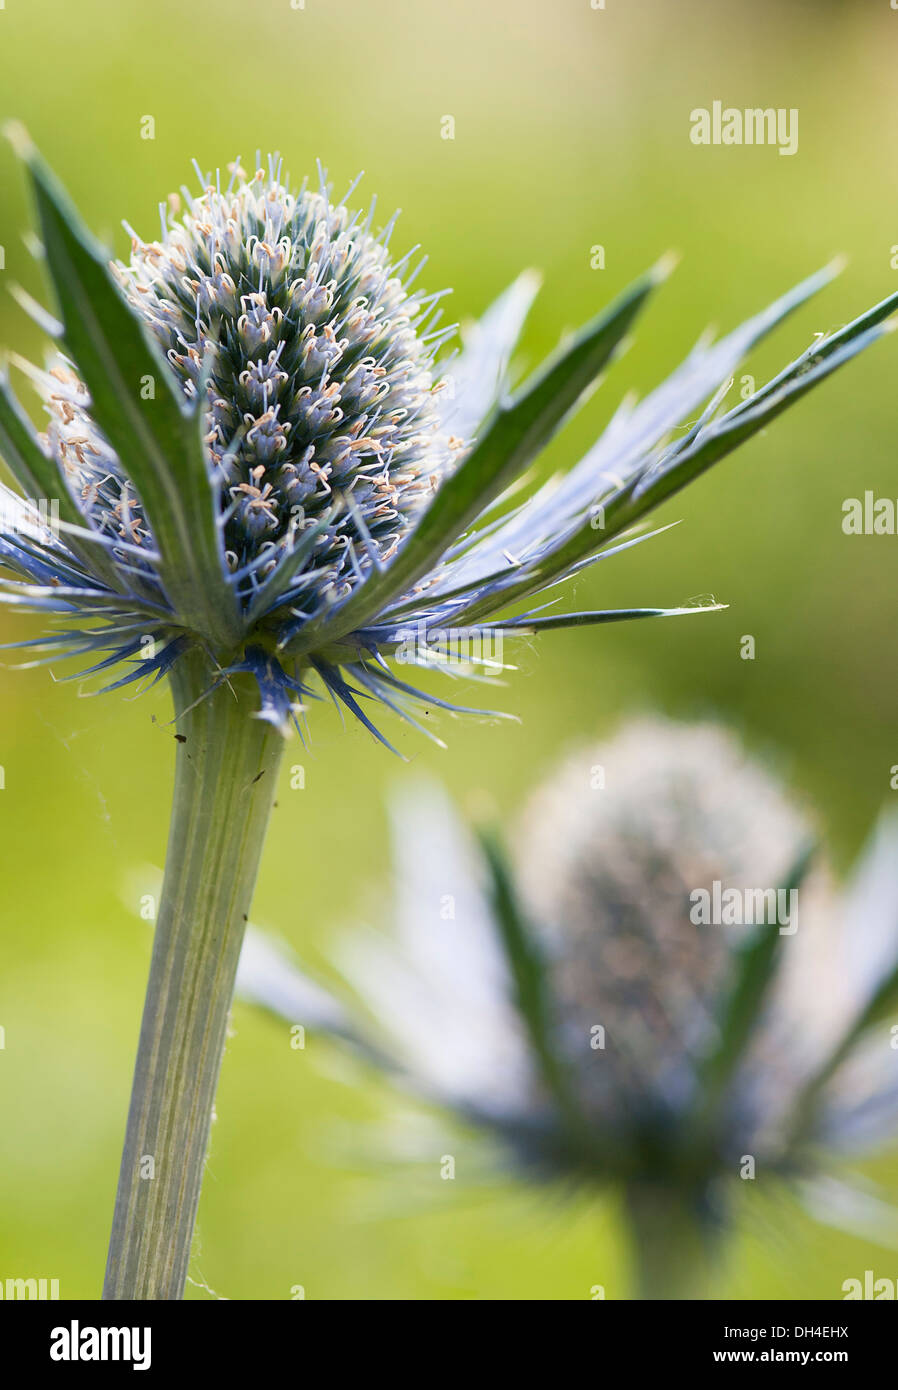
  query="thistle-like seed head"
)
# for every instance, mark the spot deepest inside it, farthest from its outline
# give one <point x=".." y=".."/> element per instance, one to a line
<point x="614" y="849"/>
<point x="285" y="312"/>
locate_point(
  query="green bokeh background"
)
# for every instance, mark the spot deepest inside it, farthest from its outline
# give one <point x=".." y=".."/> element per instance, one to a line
<point x="571" y="130"/>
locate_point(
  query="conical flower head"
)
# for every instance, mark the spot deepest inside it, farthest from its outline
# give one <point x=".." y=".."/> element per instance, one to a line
<point x="619" y="853"/>
<point x="284" y="315"/>
<point x="256" y="451"/>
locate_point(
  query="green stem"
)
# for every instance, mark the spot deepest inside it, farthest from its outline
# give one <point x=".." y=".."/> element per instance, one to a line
<point x="225" y="777"/>
<point x="673" y="1247"/>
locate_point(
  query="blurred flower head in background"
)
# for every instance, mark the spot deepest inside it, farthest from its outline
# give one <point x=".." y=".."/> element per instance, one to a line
<point x="580" y="1002"/>
<point x="609" y="865"/>
<point x="254" y="454"/>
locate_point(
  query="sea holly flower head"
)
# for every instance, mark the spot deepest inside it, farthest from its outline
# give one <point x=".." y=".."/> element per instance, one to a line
<point x="317" y="369"/>
<point x="584" y="1008"/>
<point x="624" y="860"/>
<point x="259" y="449"/>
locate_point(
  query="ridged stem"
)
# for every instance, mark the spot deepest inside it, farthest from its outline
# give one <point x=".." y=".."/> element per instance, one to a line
<point x="674" y="1252"/>
<point x="225" y="777"/>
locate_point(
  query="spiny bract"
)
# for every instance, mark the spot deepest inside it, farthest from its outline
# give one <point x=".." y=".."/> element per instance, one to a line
<point x="255" y="450"/>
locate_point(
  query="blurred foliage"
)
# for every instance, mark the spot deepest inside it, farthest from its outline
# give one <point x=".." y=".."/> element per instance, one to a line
<point x="571" y="130"/>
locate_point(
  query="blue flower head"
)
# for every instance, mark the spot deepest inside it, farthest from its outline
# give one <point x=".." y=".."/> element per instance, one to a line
<point x="256" y="448"/>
